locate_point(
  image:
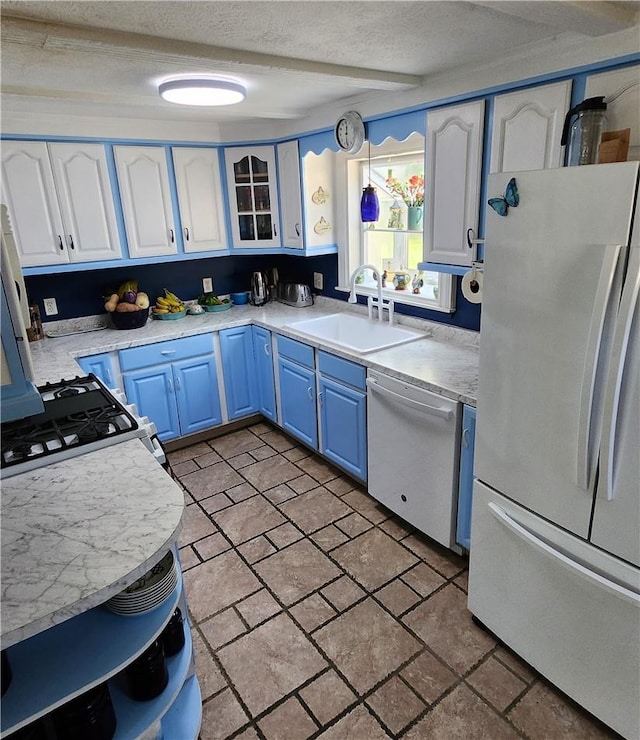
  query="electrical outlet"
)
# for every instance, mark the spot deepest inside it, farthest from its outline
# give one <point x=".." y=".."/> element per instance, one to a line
<point x="318" y="280"/>
<point x="207" y="285"/>
<point x="50" y="306"/>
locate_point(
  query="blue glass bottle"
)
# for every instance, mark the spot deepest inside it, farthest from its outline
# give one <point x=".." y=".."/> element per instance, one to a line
<point x="369" y="205"/>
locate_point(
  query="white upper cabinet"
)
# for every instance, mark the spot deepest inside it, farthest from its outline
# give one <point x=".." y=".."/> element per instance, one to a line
<point x="146" y="202"/>
<point x="60" y="202"/>
<point x="452" y="170"/>
<point x="527" y="128"/>
<point x="290" y="194"/>
<point x="84" y="191"/>
<point x="320" y="199"/>
<point x="253" y="196"/>
<point x="199" y="188"/>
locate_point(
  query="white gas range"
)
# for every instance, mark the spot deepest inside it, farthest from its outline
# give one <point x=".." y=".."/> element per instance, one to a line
<point x="80" y="415"/>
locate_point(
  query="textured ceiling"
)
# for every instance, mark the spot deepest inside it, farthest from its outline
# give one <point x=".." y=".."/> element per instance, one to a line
<point x="106" y="58"/>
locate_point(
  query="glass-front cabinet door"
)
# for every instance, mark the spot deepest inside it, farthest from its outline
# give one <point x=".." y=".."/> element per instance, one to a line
<point x="253" y="196"/>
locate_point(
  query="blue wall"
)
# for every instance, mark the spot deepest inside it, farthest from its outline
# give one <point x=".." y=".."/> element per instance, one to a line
<point x="82" y="293"/>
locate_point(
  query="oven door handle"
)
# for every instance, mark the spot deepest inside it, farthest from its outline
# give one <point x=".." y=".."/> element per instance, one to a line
<point x="425" y="408"/>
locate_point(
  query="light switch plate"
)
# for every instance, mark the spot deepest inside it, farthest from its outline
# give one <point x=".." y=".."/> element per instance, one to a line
<point x="207" y="285"/>
<point x="318" y="281"/>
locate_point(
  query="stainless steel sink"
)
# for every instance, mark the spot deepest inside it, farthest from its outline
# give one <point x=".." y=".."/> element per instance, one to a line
<point x="356" y="333"/>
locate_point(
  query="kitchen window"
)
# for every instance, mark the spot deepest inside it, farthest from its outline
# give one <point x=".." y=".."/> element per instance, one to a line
<point x="395" y="241"/>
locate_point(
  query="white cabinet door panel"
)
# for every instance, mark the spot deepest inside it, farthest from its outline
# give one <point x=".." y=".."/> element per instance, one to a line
<point x="527" y="128"/>
<point x="146" y="201"/>
<point x="200" y="199"/>
<point x="86" y="201"/>
<point x="453" y="166"/>
<point x="290" y="194"/>
<point x="28" y="190"/>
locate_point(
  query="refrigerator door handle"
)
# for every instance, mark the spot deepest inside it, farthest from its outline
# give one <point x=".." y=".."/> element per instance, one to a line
<point x="585" y="462"/>
<point x="573" y="565"/>
<point x="628" y="306"/>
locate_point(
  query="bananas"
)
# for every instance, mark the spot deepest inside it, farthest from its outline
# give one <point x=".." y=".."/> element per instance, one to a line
<point x="169" y="303"/>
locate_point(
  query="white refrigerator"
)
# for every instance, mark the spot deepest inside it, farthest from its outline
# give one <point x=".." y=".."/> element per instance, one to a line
<point x="554" y="568"/>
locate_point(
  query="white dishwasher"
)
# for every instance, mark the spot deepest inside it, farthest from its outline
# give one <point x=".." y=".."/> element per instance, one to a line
<point x="413" y="439"/>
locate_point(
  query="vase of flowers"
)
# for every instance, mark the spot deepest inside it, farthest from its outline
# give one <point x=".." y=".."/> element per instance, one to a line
<point x="412" y="193"/>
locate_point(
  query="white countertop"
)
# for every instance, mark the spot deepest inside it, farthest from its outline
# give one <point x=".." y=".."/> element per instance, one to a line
<point x="73" y="535"/>
<point x="446" y="362"/>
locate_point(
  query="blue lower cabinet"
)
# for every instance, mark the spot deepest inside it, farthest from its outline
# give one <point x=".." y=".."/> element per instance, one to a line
<point x="101" y="366"/>
<point x="179" y="398"/>
<point x="238" y="367"/>
<point x="298" y="415"/>
<point x="343" y="425"/>
<point x="465" y="486"/>
<point x="152" y="391"/>
<point x="196" y="391"/>
<point x="264" y="374"/>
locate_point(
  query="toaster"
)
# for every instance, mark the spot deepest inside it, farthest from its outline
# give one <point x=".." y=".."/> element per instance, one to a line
<point x="295" y="294"/>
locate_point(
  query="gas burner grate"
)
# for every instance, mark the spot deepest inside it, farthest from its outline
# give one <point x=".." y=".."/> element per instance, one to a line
<point x="77" y="413"/>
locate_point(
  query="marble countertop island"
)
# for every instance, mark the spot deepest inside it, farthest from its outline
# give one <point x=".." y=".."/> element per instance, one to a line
<point x="76" y="532"/>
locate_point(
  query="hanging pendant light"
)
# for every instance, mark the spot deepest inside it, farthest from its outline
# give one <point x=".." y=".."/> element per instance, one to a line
<point x="369" y="204"/>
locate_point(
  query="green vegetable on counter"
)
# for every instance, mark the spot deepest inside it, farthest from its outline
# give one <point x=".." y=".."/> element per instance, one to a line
<point x="211" y="299"/>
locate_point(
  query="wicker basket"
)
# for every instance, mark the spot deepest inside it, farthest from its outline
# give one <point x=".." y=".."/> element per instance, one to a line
<point x="130" y="319"/>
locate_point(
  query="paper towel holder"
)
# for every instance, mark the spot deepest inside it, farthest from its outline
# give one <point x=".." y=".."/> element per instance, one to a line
<point x="471" y="240"/>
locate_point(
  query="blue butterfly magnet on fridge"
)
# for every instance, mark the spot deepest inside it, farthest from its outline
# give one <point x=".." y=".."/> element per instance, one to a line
<point x="511" y="199"/>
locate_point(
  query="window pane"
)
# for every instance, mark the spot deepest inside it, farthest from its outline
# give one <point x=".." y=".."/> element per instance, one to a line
<point x="378" y="247"/>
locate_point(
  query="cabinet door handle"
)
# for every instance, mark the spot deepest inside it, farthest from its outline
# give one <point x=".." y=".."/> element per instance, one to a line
<point x="275" y="230"/>
<point x="170" y="385"/>
<point x="320" y="397"/>
<point x="61" y="245"/>
<point x="167" y="351"/>
<point x="186" y="233"/>
<point x="266" y="350"/>
<point x="71" y="244"/>
<point x="172" y="237"/>
<point x="178" y="384"/>
<point x="297" y="227"/>
<point x="310" y="393"/>
<point x="466" y="437"/>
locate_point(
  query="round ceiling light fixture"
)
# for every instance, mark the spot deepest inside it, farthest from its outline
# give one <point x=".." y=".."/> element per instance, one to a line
<point x="202" y="91"/>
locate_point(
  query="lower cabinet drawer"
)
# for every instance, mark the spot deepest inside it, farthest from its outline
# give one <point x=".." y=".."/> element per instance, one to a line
<point x="296" y="351"/>
<point x="169" y="351"/>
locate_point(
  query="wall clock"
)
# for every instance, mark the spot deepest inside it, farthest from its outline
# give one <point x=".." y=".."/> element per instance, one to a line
<point x="349" y="132"/>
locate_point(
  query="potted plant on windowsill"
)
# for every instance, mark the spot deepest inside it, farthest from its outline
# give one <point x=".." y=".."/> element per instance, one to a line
<point x="412" y="193"/>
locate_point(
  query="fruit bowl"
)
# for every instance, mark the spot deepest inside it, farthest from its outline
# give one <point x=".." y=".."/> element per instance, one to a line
<point x="129" y="319"/>
<point x="170" y="316"/>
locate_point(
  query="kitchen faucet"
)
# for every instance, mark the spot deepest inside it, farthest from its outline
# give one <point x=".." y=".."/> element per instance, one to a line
<point x="371" y="301"/>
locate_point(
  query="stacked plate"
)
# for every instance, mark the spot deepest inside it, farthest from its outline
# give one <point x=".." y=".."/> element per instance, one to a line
<point x="149" y="591"/>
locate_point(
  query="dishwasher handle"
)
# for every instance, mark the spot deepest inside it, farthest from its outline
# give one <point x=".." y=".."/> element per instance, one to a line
<point x="425" y="408"/>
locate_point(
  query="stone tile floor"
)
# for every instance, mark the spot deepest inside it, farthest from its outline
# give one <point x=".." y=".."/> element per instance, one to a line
<point x="316" y="613"/>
